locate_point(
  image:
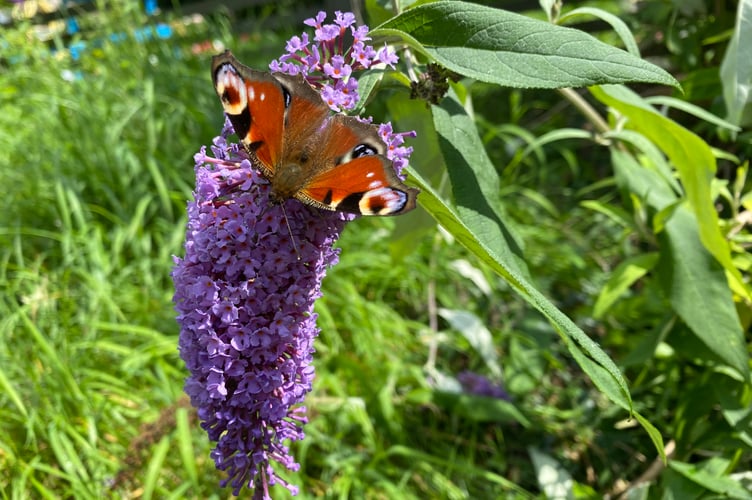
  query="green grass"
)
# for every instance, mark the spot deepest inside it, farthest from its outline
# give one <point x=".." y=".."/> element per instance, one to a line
<point x="95" y="175"/>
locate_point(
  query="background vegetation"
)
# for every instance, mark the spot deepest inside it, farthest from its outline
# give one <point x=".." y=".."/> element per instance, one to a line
<point x="95" y="170"/>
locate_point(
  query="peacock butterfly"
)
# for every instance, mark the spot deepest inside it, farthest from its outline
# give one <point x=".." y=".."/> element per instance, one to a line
<point x="334" y="162"/>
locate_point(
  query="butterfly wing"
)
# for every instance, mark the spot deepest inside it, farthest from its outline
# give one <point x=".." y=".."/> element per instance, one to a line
<point x="357" y="178"/>
<point x="255" y="102"/>
<point x="365" y="185"/>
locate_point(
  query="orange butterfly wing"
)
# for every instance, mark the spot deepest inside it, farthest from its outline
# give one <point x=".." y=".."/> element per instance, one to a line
<point x="255" y="104"/>
<point x="356" y="176"/>
<point x="366" y="185"/>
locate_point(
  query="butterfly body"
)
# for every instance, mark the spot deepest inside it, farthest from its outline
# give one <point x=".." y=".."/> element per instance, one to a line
<point x="333" y="162"/>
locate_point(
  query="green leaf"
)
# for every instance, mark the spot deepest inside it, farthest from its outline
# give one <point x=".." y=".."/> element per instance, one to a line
<point x="693" y="281"/>
<point x="735" y="399"/>
<point x="9" y="390"/>
<point x="649" y="184"/>
<point x="619" y="26"/>
<point x="710" y="479"/>
<point x="185" y="446"/>
<point x="694" y="162"/>
<point x="657" y="161"/>
<point x="613" y="212"/>
<point x="557" y="135"/>
<point x="367" y="83"/>
<point x="67" y="455"/>
<point x="377" y="13"/>
<point x="412" y="114"/>
<point x="688" y="107"/>
<point x="696" y="285"/>
<point x="477" y="226"/>
<point x="476" y="334"/>
<point x="496" y="46"/>
<point x="475" y="183"/>
<point x="155" y="468"/>
<point x="736" y="70"/>
<point x="654" y="434"/>
<point x="623" y="277"/>
<point x="541" y="200"/>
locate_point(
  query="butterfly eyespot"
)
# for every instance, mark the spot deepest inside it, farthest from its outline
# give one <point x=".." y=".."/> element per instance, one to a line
<point x="382" y="201"/>
<point x="287" y="97"/>
<point x="363" y="150"/>
<point x="231" y="89"/>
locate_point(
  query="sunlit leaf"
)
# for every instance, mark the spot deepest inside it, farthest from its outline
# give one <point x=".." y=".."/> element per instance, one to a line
<point x="736" y="70"/>
<point x="502" y="47"/>
<point x="623" y="277"/>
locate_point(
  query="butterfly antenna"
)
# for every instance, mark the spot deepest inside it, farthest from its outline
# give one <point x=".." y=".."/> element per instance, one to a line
<point x="289" y="230"/>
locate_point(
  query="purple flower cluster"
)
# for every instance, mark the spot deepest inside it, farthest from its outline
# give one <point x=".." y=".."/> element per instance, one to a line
<point x="245" y="298"/>
<point x="474" y="383"/>
<point x="326" y="64"/>
<point x="245" y="290"/>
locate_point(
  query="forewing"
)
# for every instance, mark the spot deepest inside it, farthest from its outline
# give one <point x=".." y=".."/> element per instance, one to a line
<point x="255" y="102"/>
